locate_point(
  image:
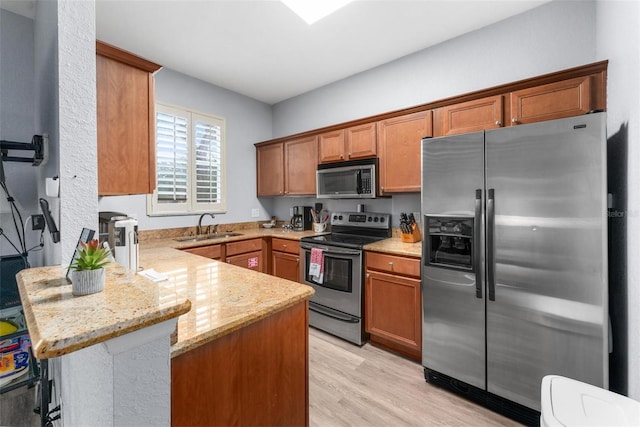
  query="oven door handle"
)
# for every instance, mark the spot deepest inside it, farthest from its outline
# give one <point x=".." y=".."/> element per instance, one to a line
<point x="327" y="251"/>
<point x="333" y="314"/>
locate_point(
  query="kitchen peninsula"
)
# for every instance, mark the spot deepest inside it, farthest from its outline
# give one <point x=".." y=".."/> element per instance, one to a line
<point x="239" y="354"/>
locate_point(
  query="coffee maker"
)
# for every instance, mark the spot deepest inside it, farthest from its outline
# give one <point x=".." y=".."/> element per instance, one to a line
<point x="121" y="233"/>
<point x="302" y="219"/>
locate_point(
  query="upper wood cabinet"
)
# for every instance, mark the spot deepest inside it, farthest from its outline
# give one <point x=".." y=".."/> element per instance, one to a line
<point x="396" y="138"/>
<point x="557" y="100"/>
<point x="356" y="142"/>
<point x="125" y="121"/>
<point x="470" y="116"/>
<point x="270" y="169"/>
<point x="399" y="151"/>
<point x="287" y="168"/>
<point x="300" y="164"/>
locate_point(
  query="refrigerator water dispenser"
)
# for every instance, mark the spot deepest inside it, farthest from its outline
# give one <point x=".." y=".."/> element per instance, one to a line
<point x="449" y="242"/>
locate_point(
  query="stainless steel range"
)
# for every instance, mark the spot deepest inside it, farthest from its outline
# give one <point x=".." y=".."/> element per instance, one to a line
<point x="333" y="265"/>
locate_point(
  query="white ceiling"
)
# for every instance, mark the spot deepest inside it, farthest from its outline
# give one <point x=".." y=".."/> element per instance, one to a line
<point x="263" y="50"/>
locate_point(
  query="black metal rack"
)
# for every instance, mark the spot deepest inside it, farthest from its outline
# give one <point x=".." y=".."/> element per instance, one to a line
<point x="36" y="145"/>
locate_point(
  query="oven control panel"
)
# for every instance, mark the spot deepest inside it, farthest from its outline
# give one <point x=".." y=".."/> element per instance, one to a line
<point x="362" y="219"/>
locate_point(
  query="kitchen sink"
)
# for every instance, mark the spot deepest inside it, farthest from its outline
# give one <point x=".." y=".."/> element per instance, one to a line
<point x="208" y="237"/>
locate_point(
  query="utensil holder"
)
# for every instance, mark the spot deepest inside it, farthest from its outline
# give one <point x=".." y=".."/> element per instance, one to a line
<point x="414" y="236"/>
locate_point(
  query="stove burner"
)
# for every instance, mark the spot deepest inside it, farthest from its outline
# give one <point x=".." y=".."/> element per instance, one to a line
<point x="354" y="230"/>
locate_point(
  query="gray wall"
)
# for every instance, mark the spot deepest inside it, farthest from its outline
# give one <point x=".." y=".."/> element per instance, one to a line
<point x="549" y="38"/>
<point x="17" y="122"/>
<point x="539" y="41"/>
<point x="247" y="122"/>
<point x="618" y="39"/>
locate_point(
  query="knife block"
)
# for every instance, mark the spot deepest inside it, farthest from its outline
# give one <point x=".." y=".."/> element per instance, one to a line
<point x="413" y="237"/>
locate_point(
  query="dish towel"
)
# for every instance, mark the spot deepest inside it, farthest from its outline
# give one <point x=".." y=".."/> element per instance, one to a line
<point x="316" y="266"/>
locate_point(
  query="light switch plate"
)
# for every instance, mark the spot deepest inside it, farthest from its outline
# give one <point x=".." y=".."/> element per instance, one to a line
<point x="255" y="213"/>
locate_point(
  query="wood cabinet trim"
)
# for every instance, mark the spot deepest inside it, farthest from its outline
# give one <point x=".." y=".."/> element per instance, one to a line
<point x="580" y="71"/>
<point x="125" y="57"/>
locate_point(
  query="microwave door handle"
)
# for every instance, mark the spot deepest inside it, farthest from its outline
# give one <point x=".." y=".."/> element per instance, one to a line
<point x="359" y="181"/>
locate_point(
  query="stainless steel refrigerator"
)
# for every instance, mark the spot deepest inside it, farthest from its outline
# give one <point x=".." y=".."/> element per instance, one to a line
<point x="514" y="274"/>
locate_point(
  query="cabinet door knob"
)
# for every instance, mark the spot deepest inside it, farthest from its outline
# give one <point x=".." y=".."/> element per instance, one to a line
<point x="284" y="246"/>
<point x="498" y="123"/>
<point x="368" y="275"/>
<point x="342" y="156"/>
<point x="390" y="264"/>
<point x="349" y="154"/>
<point x="514" y="120"/>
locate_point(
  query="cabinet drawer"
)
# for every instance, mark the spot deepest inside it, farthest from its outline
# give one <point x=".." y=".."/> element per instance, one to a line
<point x="212" y="251"/>
<point x="234" y="248"/>
<point x="284" y="245"/>
<point x="393" y="264"/>
<point x="251" y="260"/>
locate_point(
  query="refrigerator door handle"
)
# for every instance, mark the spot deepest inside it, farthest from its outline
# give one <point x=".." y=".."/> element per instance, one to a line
<point x="491" y="226"/>
<point x="477" y="223"/>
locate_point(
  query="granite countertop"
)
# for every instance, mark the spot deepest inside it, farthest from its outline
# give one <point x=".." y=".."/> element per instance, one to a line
<point x="396" y="246"/>
<point x="393" y="245"/>
<point x="60" y="323"/>
<point x="212" y="298"/>
<point x="224" y="297"/>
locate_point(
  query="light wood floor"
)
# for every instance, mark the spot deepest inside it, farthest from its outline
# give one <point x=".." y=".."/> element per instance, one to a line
<point x="368" y="386"/>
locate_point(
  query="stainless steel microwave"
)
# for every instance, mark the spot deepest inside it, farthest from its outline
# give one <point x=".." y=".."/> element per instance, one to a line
<point x="355" y="179"/>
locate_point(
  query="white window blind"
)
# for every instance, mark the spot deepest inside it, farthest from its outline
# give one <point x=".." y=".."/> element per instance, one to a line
<point x="172" y="158"/>
<point x="190" y="166"/>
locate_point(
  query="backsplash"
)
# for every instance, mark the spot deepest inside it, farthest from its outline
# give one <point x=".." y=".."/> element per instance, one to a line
<point x="167" y="233"/>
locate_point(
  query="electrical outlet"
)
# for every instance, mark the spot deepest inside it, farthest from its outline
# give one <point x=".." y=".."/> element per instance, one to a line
<point x="255" y="213"/>
<point x="416" y="215"/>
<point x="37" y="222"/>
<point x="290" y="212"/>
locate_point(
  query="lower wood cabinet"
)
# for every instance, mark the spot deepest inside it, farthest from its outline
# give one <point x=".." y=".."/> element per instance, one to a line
<point x="247" y="254"/>
<point x="393" y="303"/>
<point x="256" y="375"/>
<point x="211" y="251"/>
<point x="285" y="259"/>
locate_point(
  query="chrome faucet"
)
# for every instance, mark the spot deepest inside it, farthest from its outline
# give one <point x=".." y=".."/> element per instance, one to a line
<point x="200" y="222"/>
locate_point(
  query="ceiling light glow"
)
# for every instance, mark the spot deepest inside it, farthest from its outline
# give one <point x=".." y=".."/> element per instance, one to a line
<point x="312" y="11"/>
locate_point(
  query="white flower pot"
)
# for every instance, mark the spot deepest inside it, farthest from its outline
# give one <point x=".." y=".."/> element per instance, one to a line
<point x="87" y="282"/>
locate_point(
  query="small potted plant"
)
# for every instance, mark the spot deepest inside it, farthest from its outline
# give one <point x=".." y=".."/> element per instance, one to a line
<point x="88" y="275"/>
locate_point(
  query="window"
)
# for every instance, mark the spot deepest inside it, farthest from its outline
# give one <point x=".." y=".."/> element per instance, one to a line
<point x="190" y="169"/>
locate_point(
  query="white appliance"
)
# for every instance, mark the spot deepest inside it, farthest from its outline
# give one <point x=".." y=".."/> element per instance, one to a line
<point x="126" y="243"/>
<point x="567" y="402"/>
